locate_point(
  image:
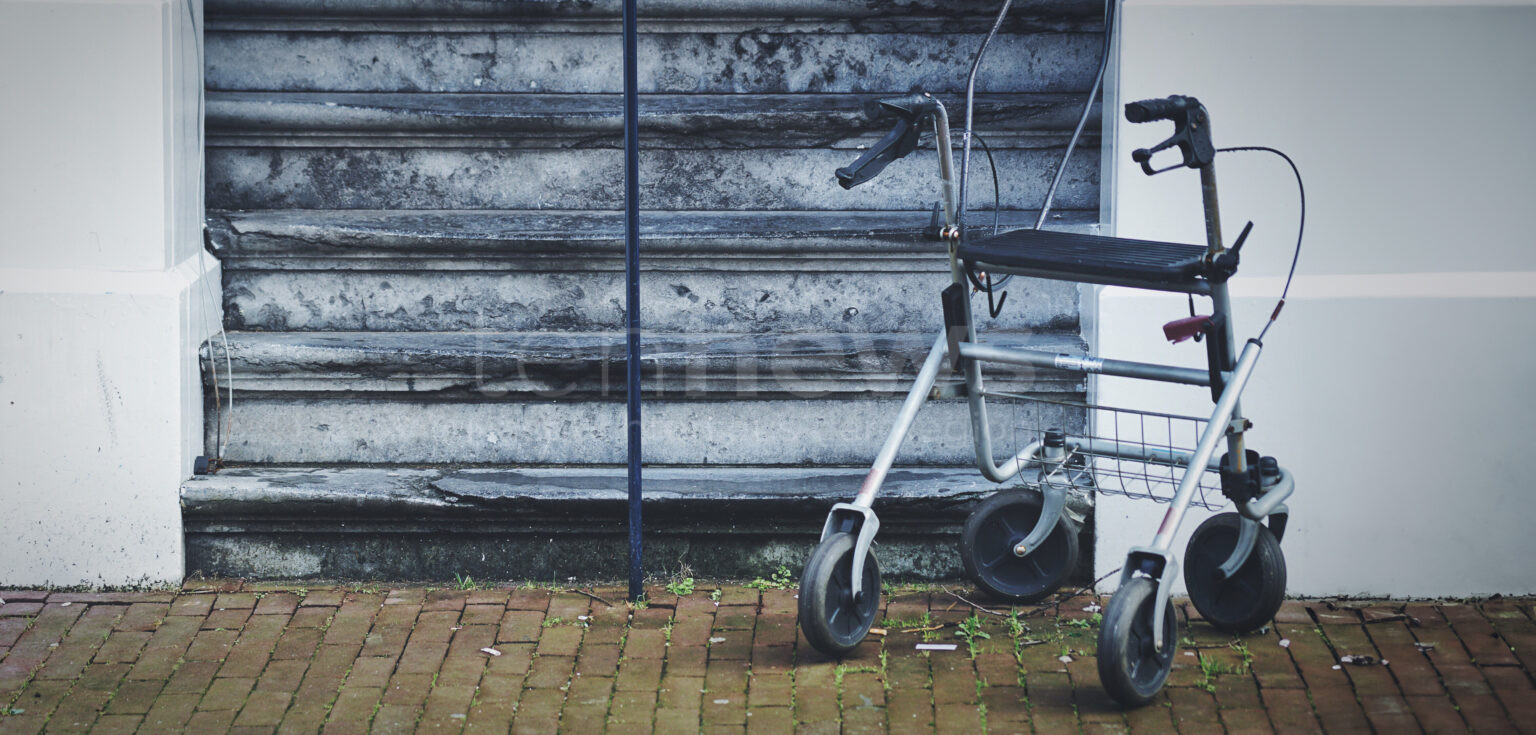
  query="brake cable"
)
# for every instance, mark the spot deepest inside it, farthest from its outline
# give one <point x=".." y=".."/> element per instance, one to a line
<point x="1301" y="228"/>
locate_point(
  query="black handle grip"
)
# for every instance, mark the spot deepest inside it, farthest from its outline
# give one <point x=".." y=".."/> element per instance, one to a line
<point x="1191" y="131"/>
<point x="1157" y="109"/>
<point x="900" y="141"/>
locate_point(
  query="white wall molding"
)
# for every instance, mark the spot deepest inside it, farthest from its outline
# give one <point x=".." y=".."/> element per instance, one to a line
<point x="1398" y="383"/>
<point x="104" y="300"/>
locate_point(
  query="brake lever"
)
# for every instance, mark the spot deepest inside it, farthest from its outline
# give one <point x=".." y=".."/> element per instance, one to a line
<point x="1191" y="132"/>
<point x="1143" y="156"/>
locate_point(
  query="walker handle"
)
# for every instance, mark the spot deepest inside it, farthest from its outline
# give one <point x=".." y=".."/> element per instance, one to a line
<point x="900" y="141"/>
<point x="1191" y="131"/>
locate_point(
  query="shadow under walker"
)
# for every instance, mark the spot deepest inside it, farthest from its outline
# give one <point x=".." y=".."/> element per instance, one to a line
<point x="1018" y="545"/>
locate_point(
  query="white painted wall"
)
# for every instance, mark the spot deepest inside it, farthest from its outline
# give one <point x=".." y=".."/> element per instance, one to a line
<point x="103" y="299"/>
<point x="1399" y="384"/>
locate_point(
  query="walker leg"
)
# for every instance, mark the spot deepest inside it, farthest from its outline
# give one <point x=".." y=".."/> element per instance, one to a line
<point x="857" y="517"/>
<point x="915" y="399"/>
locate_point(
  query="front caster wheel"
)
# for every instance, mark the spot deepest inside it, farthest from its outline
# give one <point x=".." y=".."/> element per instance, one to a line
<point x="834" y="618"/>
<point x="1246" y="600"/>
<point x="1130" y="666"/>
<point x="997" y="526"/>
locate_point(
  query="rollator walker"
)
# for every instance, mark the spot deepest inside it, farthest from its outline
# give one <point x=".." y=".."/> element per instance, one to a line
<point x="1020" y="544"/>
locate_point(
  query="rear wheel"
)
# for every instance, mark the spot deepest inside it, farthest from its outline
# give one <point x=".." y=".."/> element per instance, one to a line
<point x="1248" y="599"/>
<point x="996" y="527"/>
<point x="834" y="618"/>
<point x="1130" y="666"/>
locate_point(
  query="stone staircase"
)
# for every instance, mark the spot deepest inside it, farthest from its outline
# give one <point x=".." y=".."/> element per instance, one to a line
<point x="418" y="209"/>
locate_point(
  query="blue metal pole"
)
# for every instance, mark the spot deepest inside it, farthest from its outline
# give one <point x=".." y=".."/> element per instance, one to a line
<point x="632" y="288"/>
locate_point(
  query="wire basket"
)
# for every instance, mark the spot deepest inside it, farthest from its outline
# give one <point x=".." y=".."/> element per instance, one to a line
<point x="1161" y="443"/>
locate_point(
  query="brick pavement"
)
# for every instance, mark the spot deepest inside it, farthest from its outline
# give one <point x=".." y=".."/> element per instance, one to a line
<point x="223" y="656"/>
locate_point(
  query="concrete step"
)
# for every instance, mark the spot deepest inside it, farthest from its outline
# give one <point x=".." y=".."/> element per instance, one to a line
<point x="403" y="427"/>
<point x="536" y="271"/>
<point x="547" y="398"/>
<point x="427" y="524"/>
<point x="593" y="240"/>
<point x="685" y="56"/>
<point x="411" y="119"/>
<point x="697" y="10"/>
<point x="556" y="365"/>
<point x="671" y="179"/>
<point x="765" y="300"/>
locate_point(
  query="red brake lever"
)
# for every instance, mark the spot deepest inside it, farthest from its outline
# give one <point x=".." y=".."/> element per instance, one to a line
<point x="1179" y="330"/>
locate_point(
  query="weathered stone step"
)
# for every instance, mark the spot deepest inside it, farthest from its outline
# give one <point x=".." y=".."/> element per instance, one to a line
<point x="575" y="365"/>
<point x="670" y="179"/>
<point x="740" y="57"/>
<point x="405" y="428"/>
<point x="555" y="523"/>
<point x="697" y="10"/>
<point x="411" y="119"/>
<point x="769" y="297"/>
<point x="593" y="240"/>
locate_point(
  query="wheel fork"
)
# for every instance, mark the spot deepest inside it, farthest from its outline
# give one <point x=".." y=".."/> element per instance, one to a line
<point x="862" y="518"/>
<point x="1160" y="566"/>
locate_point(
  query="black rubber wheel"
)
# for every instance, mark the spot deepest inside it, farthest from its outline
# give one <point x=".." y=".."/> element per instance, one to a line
<point x="998" y="525"/>
<point x="1131" y="668"/>
<point x="833" y="619"/>
<point x="1250" y="598"/>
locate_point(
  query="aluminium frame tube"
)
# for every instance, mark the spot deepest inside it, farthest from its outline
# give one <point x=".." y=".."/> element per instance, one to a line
<point x="1085" y="364"/>
<point x="1215" y="430"/>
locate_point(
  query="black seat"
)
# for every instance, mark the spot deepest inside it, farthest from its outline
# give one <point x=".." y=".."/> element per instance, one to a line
<point x="1091" y="259"/>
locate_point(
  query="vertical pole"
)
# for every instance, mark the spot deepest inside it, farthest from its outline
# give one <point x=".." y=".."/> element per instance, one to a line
<point x="1221" y="302"/>
<point x="632" y="288"/>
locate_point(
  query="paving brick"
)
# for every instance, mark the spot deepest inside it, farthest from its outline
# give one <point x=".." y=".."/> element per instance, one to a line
<point x="117" y="724"/>
<point x="384" y="640"/>
<point x="311" y="617"/>
<point x="1290" y="711"/>
<point x="264" y="709"/>
<point x="226" y="694"/>
<point x="528" y="599"/>
<point x="1388" y="713"/>
<point x="322" y="598"/>
<point x="24" y="595"/>
<point x="560" y="640"/>
<point x="235" y="600"/>
<point x="212" y="645"/>
<point x="197" y="605"/>
<point x="550" y="672"/>
<point x="816" y="696"/>
<point x="1483" y="713"/>
<point x="1437" y="714"/>
<point x="520" y="626"/>
<point x="171" y="712"/>
<point x="297" y="643"/>
<point x="282" y="676"/>
<point x="143" y="617"/>
<point x="110" y="598"/>
<point x="539" y="711"/>
<point x="210" y="721"/>
<point x="422" y="657"/>
<point x="447" y="709"/>
<point x="1338" y="710"/>
<point x="135" y="697"/>
<point x="175" y="632"/>
<point x="192" y="677"/>
<point x="161" y="664"/>
<point x="598" y="660"/>
<point x="277" y="603"/>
